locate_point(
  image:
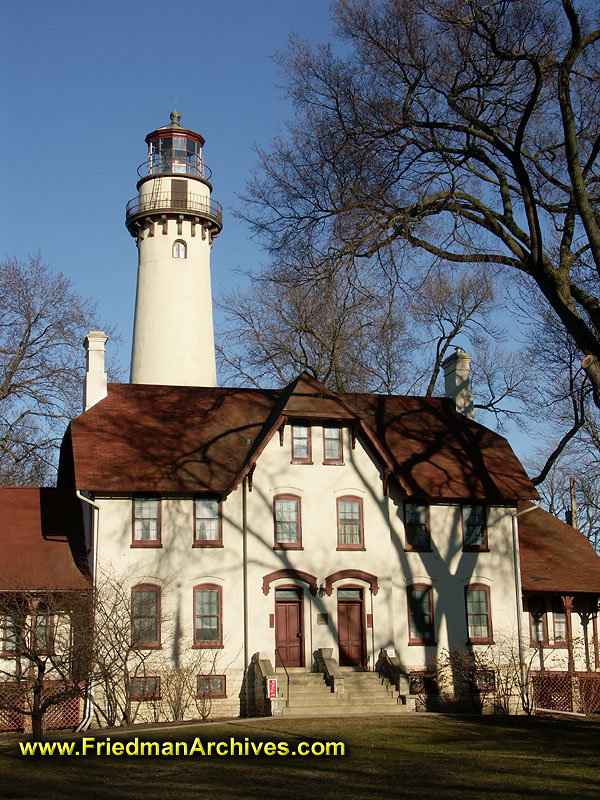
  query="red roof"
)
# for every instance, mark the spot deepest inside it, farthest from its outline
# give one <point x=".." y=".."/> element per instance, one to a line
<point x="35" y="528"/>
<point x="188" y="439"/>
<point x="554" y="556"/>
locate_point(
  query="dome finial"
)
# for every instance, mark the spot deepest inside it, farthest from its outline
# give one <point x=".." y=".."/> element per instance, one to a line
<point x="175" y="117"/>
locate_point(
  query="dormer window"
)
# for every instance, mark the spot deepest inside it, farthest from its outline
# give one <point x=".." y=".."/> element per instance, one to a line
<point x="301" y="446"/>
<point x="179" y="249"/>
<point x="332" y="446"/>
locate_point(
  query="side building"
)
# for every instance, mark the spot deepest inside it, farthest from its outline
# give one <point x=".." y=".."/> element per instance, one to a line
<point x="45" y="603"/>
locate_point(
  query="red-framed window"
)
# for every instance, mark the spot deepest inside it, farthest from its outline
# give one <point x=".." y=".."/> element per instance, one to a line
<point x="559" y="620"/>
<point x="479" y="614"/>
<point x="474" y="527"/>
<point x="42" y="632"/>
<point x="538" y="622"/>
<point x="208" y="616"/>
<point x="350" y="523"/>
<point x="287" y="522"/>
<point x="333" y="451"/>
<point x="145" y="616"/>
<point x="145" y="688"/>
<point x="301" y="444"/>
<point x="208" y="526"/>
<point x="9" y="631"/>
<point x="417" y="534"/>
<point x="483" y="680"/>
<point x="211" y="686"/>
<point x="146" y="512"/>
<point x="423" y="682"/>
<point x="420" y="614"/>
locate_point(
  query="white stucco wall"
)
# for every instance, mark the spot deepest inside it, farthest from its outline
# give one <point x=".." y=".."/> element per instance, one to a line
<point x="177" y="566"/>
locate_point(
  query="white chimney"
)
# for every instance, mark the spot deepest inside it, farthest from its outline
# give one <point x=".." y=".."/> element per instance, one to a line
<point x="458" y="381"/>
<point x="95" y="376"/>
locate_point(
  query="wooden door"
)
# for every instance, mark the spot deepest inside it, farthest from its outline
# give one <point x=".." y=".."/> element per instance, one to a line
<point x="178" y="193"/>
<point x="351" y="629"/>
<point x="288" y="628"/>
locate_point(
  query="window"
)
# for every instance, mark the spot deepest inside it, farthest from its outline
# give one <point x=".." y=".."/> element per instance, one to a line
<point x="145" y="688"/>
<point x="538" y="627"/>
<point x="422" y="682"/>
<point x="207" y="523"/>
<point x="208" y="630"/>
<point x="179" y="249"/>
<point x="416" y="527"/>
<point x="350" y="523"/>
<point x="479" y="622"/>
<point x="146" y="522"/>
<point x="420" y="615"/>
<point x="9" y="633"/>
<point x="483" y="681"/>
<point x="42" y="633"/>
<point x="474" y="527"/>
<point x="559" y="616"/>
<point x="145" y="616"/>
<point x="288" y="529"/>
<point x="332" y="446"/>
<point x="211" y="686"/>
<point x="301" y="450"/>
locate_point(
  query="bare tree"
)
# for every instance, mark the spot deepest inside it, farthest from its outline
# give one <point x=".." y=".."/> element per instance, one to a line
<point x="45" y="651"/>
<point x="340" y="323"/>
<point x="464" y="130"/>
<point x="358" y="327"/>
<point x="43" y="322"/>
<point x="121" y="664"/>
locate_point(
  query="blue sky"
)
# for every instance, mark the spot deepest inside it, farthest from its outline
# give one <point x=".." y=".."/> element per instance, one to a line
<point x="82" y="84"/>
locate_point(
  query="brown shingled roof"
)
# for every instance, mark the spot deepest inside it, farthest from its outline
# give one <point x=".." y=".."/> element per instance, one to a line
<point x="35" y="526"/>
<point x="169" y="438"/>
<point x="554" y="556"/>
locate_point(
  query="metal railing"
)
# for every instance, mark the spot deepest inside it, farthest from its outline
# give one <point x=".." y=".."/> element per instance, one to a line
<point x="169" y="202"/>
<point x="174" y="166"/>
<point x="277" y="653"/>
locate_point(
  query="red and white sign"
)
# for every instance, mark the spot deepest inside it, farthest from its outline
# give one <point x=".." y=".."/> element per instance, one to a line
<point x="271" y="687"/>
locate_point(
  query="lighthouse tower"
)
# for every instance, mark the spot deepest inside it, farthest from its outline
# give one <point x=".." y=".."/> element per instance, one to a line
<point x="174" y="222"/>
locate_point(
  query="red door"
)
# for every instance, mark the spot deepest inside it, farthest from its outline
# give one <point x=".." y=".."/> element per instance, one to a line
<point x="288" y="628"/>
<point x="351" y="629"/>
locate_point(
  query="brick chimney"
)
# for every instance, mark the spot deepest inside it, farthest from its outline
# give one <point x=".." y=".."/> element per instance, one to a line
<point x="95" y="377"/>
<point x="457" y="375"/>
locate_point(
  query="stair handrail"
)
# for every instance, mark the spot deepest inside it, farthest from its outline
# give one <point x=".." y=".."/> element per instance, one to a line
<point x="277" y="653"/>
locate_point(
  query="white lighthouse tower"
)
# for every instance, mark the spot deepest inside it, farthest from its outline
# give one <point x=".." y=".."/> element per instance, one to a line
<point x="174" y="222"/>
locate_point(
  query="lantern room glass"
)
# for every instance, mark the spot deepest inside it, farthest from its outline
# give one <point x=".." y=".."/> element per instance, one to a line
<point x="175" y="154"/>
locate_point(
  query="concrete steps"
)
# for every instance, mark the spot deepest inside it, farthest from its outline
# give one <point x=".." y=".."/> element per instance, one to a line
<point x="364" y="693"/>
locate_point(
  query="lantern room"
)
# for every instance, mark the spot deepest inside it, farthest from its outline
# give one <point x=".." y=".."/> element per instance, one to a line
<point x="174" y="150"/>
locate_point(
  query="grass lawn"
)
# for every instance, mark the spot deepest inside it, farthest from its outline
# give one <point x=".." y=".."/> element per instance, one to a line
<point x="417" y="756"/>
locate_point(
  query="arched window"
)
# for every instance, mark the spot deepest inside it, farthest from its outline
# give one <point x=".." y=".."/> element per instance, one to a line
<point x="288" y="526"/>
<point x="350" y="523"/>
<point x="420" y="614"/>
<point x="208" y="616"/>
<point x="179" y="249"/>
<point x="479" y="615"/>
<point x="145" y="616"/>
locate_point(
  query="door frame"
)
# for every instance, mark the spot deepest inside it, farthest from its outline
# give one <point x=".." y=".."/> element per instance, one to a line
<point x="299" y="590"/>
<point x="363" y="627"/>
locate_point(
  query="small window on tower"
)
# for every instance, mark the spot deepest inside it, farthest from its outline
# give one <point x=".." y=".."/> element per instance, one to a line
<point x="179" y="249"/>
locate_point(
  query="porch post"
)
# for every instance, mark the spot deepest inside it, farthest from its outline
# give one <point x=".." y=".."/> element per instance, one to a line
<point x="568" y="604"/>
